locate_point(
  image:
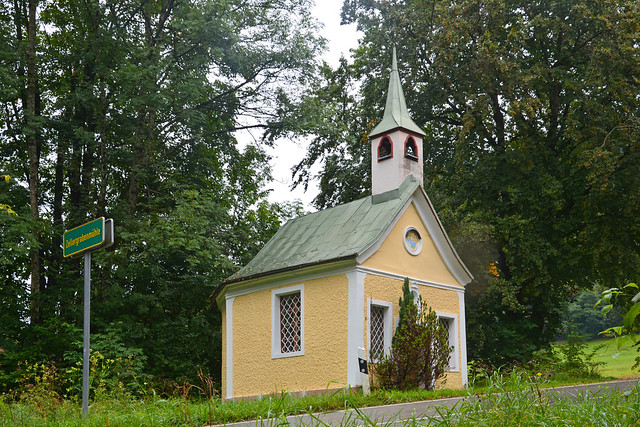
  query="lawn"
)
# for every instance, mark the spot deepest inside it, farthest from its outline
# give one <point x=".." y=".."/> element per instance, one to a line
<point x="618" y="361"/>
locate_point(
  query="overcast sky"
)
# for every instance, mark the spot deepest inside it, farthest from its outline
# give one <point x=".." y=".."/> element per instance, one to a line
<point x="340" y="38"/>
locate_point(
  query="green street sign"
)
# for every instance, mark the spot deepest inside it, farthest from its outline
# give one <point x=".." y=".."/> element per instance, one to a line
<point x="83" y="237"/>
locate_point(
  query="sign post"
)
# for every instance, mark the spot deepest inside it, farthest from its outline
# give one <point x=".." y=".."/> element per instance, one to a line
<point x="364" y="370"/>
<point x="84" y="239"/>
<point x="86" y="334"/>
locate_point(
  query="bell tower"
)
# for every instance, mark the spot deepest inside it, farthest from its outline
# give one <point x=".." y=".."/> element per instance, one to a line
<point x="396" y="142"/>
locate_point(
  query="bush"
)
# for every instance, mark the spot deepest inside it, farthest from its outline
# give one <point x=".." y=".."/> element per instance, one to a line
<point x="566" y="361"/>
<point x="114" y="368"/>
<point x="420" y="349"/>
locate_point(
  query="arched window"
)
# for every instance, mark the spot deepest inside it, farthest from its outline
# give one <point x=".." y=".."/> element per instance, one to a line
<point x="385" y="149"/>
<point x="411" y="149"/>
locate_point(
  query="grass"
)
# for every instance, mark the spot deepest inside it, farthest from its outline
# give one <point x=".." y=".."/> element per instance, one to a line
<point x="618" y="361"/>
<point x="512" y="399"/>
<point x="526" y="405"/>
<point x="44" y="409"/>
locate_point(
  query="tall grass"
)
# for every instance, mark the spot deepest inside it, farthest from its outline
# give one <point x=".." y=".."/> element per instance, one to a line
<point x="513" y="399"/>
<point x="37" y="408"/>
<point x="517" y="400"/>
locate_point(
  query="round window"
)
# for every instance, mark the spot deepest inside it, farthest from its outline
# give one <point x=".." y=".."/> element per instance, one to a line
<point x="412" y="240"/>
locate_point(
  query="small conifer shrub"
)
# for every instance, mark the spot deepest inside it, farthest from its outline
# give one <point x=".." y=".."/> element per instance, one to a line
<point x="420" y="348"/>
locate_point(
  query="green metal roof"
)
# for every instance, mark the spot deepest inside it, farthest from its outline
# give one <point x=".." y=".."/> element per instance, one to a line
<point x="336" y="233"/>
<point x="396" y="114"/>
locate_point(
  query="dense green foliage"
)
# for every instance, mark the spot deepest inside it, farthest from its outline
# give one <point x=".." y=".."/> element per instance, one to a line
<point x="127" y="109"/>
<point x="420" y="349"/>
<point x="532" y="153"/>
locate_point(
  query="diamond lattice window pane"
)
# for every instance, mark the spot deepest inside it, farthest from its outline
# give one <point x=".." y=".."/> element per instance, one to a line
<point x="445" y="323"/>
<point x="377" y="330"/>
<point x="290" y="323"/>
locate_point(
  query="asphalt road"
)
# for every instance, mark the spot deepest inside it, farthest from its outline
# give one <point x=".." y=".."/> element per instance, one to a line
<point x="383" y="415"/>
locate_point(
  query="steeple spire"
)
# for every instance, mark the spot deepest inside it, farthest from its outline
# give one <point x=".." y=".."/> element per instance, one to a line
<point x="396" y="114"/>
<point x="396" y="142"/>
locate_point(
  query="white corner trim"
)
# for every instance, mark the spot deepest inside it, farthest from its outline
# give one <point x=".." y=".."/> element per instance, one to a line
<point x="275" y="321"/>
<point x="355" y="325"/>
<point x="229" y="344"/>
<point x="388" y="323"/>
<point x="463" y="342"/>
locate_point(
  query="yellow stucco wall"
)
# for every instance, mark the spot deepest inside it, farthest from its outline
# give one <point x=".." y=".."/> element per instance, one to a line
<point x="389" y="290"/>
<point x="325" y="341"/>
<point x="393" y="257"/>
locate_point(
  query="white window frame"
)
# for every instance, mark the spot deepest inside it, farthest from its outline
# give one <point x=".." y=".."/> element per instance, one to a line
<point x="276" y="352"/>
<point x="454" y="360"/>
<point x="416" y="297"/>
<point x="388" y="323"/>
<point x="418" y="248"/>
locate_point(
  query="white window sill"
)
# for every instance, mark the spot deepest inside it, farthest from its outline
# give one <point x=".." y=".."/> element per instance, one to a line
<point x="283" y="355"/>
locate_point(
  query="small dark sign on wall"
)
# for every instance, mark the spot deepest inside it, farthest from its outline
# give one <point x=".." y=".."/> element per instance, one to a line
<point x="362" y="366"/>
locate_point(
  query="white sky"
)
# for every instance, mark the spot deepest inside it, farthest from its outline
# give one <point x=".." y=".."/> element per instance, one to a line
<point x="285" y="153"/>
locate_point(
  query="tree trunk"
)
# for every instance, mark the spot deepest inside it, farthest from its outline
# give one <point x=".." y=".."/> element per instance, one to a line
<point x="102" y="159"/>
<point x="34" y="157"/>
<point x="141" y="153"/>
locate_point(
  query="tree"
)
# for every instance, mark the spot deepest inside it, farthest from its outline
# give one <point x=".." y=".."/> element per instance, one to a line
<point x="405" y="303"/>
<point x="136" y="109"/>
<point x="332" y="117"/>
<point x="532" y="148"/>
<point x="31" y="113"/>
<point x="583" y="319"/>
<point x="420" y="349"/>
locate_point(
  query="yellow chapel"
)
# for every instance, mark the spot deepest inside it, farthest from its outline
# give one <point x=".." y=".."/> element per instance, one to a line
<point x="328" y="283"/>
